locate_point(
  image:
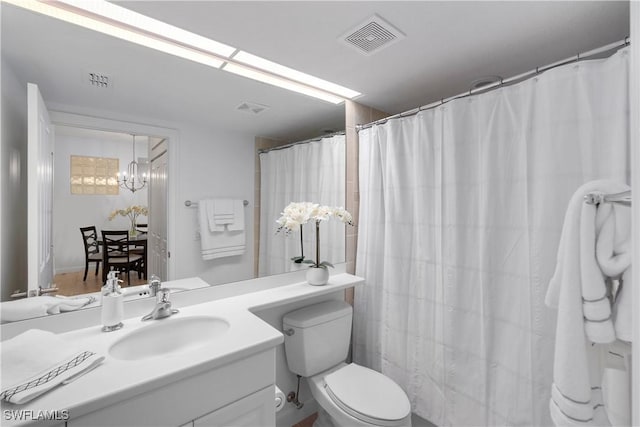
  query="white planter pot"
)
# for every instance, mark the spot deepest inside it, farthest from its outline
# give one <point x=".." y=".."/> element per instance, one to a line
<point x="317" y="276"/>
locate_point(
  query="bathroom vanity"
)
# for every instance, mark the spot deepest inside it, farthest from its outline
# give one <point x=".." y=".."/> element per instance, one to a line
<point x="213" y="363"/>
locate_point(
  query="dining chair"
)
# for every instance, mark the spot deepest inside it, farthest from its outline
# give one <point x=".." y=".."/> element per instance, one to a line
<point x="116" y="253"/>
<point x="91" y="249"/>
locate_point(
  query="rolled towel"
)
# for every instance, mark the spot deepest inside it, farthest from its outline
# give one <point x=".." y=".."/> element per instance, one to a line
<point x="36" y="361"/>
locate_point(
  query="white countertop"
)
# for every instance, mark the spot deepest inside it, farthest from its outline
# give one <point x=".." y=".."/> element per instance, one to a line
<point x="117" y="380"/>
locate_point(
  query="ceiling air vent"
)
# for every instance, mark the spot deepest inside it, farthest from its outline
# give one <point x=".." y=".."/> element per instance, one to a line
<point x="98" y="80"/>
<point x="372" y="35"/>
<point x="251" y="108"/>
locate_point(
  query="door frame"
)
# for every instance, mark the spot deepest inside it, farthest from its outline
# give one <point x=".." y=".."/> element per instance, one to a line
<point x="97" y="123"/>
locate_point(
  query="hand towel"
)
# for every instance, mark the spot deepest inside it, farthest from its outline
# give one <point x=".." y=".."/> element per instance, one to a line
<point x="28" y="308"/>
<point x="238" y="216"/>
<point x="218" y="244"/>
<point x="579" y="292"/>
<point x="210" y="224"/>
<point x="36" y="361"/>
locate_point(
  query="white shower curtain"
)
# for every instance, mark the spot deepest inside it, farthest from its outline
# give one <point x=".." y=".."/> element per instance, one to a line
<point x="309" y="172"/>
<point x="461" y="209"/>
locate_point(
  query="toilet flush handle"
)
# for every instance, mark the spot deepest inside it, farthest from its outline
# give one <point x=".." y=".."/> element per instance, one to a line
<point x="289" y="332"/>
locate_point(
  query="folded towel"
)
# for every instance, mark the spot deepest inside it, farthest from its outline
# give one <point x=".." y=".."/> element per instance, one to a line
<point x="238" y="216"/>
<point x="36" y="361"/>
<point x="218" y="244"/>
<point x="578" y="290"/>
<point x="220" y="213"/>
<point x="28" y="308"/>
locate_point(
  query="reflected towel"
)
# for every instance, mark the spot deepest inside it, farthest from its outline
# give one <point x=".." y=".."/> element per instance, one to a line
<point x="28" y="308"/>
<point x="36" y="361"/>
<point x="218" y="244"/>
<point x="238" y="216"/>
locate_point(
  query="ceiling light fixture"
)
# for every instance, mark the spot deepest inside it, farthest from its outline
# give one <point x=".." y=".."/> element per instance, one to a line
<point x="274" y="80"/>
<point x="123" y="23"/>
<point x="290" y="73"/>
<point x="130" y="179"/>
<point x="57" y="10"/>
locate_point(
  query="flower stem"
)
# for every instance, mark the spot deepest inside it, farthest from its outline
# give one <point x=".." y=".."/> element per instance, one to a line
<point x="317" y="244"/>
<point x="301" y="244"/>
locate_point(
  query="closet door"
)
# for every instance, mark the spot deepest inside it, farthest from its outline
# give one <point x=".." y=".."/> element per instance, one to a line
<point x="158" y="188"/>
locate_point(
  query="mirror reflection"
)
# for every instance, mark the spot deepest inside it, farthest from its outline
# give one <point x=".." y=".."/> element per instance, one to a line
<point x="216" y="151"/>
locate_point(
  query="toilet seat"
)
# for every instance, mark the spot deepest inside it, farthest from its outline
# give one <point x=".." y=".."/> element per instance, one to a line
<point x="368" y="395"/>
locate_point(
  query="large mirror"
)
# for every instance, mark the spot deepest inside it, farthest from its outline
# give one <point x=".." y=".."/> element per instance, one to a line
<point x="205" y="116"/>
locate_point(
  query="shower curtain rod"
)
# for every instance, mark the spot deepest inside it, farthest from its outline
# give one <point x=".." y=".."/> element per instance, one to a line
<point x="503" y="82"/>
<point x="306" y="141"/>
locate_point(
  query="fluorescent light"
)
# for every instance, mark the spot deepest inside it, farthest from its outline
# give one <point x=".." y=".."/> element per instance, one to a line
<point x="290" y="73"/>
<point x="153" y="26"/>
<point x="125" y="24"/>
<point x="119" y="32"/>
<point x="281" y="82"/>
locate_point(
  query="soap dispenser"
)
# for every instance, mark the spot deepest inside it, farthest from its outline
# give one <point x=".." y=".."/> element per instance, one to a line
<point x="112" y="303"/>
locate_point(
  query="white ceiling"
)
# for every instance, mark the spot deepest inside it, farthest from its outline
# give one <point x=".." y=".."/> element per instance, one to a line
<point x="447" y="45"/>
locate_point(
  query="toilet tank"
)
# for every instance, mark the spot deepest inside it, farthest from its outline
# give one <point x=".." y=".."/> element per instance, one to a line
<point x="317" y="337"/>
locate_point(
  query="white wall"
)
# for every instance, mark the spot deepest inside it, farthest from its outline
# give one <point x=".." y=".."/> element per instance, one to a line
<point x="72" y="211"/>
<point x="213" y="164"/>
<point x="13" y="249"/>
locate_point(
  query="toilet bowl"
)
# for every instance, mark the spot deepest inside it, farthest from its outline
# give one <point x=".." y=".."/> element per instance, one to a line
<point x="353" y="395"/>
<point x="317" y="341"/>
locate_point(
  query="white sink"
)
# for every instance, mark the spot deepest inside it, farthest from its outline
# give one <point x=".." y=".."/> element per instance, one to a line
<point x="168" y="336"/>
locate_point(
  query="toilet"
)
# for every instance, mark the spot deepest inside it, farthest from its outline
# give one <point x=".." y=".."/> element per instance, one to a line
<point x="316" y="344"/>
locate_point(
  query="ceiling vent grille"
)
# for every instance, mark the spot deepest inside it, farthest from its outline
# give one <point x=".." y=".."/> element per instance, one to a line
<point x="98" y="80"/>
<point x="372" y="35"/>
<point x="251" y="108"/>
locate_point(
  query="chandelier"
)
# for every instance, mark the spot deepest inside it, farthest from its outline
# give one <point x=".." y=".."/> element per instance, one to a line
<point x="130" y="179"/>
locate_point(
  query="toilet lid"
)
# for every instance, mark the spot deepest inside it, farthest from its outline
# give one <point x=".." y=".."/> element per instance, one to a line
<point x="367" y="395"/>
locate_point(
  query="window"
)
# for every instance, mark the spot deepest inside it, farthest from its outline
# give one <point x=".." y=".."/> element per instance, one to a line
<point x="94" y="175"/>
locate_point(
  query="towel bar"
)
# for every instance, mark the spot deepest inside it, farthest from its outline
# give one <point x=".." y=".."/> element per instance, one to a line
<point x="189" y="203"/>
<point x="596" y="198"/>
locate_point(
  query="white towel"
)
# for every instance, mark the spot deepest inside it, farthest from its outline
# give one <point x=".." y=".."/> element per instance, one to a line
<point x="579" y="292"/>
<point x="616" y="384"/>
<point x="614" y="258"/>
<point x="36" y="361"/>
<point x="225" y="212"/>
<point x="238" y="216"/>
<point x="218" y="244"/>
<point x="28" y="308"/>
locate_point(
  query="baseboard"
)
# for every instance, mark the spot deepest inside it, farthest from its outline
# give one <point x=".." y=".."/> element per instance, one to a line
<point x="72" y="269"/>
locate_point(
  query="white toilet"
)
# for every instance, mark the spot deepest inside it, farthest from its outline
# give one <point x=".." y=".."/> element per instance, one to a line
<point x="316" y="344"/>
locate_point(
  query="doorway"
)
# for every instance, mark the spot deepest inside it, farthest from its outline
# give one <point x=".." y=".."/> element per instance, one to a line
<point x="158" y="197"/>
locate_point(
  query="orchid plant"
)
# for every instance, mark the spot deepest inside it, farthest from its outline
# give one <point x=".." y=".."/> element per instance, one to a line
<point x="296" y="214"/>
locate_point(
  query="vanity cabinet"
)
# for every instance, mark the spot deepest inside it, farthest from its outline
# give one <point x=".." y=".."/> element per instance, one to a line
<point x="240" y="393"/>
<point x="257" y="409"/>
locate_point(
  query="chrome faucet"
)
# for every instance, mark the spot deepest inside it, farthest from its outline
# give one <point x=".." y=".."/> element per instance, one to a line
<point x="163" y="306"/>
<point x="154" y="285"/>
